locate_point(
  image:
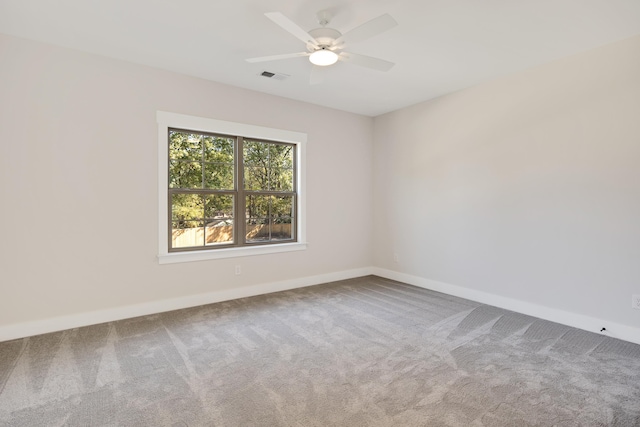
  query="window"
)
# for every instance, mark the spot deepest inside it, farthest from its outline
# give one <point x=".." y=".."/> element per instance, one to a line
<point x="211" y="177"/>
<point x="228" y="189"/>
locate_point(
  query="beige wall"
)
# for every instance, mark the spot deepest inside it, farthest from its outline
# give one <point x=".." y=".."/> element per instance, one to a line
<point x="527" y="187"/>
<point x="79" y="146"/>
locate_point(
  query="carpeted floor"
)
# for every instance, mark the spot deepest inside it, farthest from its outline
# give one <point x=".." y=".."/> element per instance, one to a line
<point x="361" y="352"/>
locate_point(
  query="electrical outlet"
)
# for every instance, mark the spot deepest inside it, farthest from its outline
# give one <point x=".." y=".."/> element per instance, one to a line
<point x="635" y="301"/>
<point x="395" y="257"/>
<point x="238" y="270"/>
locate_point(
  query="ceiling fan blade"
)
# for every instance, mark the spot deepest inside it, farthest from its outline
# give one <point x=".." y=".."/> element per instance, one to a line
<point x="291" y="27"/>
<point x="366" y="61"/>
<point x="277" y="57"/>
<point x="369" y="29"/>
<point x="317" y="75"/>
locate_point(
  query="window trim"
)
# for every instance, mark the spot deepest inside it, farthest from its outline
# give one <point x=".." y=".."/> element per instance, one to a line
<point x="168" y="120"/>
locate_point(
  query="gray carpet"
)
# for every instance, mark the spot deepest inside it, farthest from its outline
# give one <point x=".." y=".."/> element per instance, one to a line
<point x="362" y="352"/>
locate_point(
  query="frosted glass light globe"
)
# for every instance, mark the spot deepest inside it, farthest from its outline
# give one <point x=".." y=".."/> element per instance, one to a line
<point x="323" y="57"/>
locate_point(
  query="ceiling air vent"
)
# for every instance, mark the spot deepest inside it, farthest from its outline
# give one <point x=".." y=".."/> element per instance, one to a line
<point x="275" y="76"/>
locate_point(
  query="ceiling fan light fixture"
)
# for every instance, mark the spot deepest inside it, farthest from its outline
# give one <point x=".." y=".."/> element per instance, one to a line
<point x="323" y="57"/>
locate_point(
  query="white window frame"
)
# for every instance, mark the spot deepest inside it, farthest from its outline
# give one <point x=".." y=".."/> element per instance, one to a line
<point x="168" y="120"/>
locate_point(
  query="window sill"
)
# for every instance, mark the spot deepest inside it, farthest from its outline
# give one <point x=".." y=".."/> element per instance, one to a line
<point x="175" y="257"/>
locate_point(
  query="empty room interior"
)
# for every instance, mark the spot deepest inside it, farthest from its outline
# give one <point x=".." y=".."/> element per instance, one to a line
<point x="206" y="224"/>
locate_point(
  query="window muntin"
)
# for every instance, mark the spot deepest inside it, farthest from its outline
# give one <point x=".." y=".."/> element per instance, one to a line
<point x="204" y="195"/>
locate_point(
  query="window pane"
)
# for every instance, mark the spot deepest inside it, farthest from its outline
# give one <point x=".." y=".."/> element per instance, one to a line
<point x="282" y="214"/>
<point x="185" y="146"/>
<point x="219" y="232"/>
<point x="268" y="166"/>
<point x="219" y="219"/>
<point x="187" y="207"/>
<point x="280" y="156"/>
<point x="218" y="206"/>
<point x="185" y="174"/>
<point x="257" y="230"/>
<point x="218" y="176"/>
<point x="218" y="149"/>
<point x="281" y="179"/>
<point x="257" y="206"/>
<point x="282" y="230"/>
<point x="282" y="206"/>
<point x="256" y="153"/>
<point x="187" y="233"/>
<point x="257" y="218"/>
<point x="269" y="218"/>
<point x="256" y="178"/>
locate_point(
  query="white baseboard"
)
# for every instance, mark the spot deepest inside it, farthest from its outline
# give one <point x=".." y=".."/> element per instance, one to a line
<point x="27" y="329"/>
<point x="587" y="323"/>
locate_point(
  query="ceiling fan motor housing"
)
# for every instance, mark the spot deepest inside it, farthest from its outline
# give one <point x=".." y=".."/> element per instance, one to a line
<point x="325" y="37"/>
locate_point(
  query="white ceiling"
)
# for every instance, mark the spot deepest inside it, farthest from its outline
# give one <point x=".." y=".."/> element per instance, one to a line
<point x="439" y="46"/>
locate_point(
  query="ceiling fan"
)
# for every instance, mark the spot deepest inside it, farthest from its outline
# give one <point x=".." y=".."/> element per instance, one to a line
<point x="325" y="45"/>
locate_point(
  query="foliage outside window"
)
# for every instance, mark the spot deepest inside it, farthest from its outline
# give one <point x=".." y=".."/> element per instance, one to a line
<point x="229" y="191"/>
